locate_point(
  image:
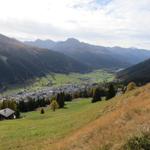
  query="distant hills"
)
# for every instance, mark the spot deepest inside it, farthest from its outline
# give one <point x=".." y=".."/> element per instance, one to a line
<point x="95" y="56"/>
<point x="22" y="61"/>
<point x="19" y="62"/>
<point x="139" y="73"/>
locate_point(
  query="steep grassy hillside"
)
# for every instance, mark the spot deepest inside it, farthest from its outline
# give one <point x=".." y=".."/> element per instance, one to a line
<point x="35" y="131"/>
<point x="124" y="117"/>
<point x="81" y="125"/>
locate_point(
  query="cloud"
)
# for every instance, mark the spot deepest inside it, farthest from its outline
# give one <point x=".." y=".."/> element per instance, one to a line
<point x="102" y="22"/>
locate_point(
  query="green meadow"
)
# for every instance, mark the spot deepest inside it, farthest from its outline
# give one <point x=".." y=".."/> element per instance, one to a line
<point x="34" y="130"/>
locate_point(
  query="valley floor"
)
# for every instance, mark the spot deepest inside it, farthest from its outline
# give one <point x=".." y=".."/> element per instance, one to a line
<point x="81" y="125"/>
<point x="58" y="80"/>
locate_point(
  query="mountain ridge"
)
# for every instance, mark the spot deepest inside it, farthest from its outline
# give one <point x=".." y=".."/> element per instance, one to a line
<point x="19" y="62"/>
<point x="97" y="56"/>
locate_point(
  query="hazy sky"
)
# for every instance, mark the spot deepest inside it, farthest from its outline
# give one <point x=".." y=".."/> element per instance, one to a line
<point x="103" y="22"/>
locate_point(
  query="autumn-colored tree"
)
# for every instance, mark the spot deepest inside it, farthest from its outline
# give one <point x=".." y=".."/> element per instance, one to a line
<point x="54" y="105"/>
<point x="131" y="86"/>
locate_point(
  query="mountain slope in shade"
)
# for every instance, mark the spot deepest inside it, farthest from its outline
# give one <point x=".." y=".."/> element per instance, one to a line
<point x="42" y="43"/>
<point x="139" y="73"/>
<point x="19" y="62"/>
<point x="96" y="56"/>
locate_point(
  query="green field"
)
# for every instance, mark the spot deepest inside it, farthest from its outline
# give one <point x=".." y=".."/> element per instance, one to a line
<point x="60" y="79"/>
<point x="97" y="76"/>
<point x="35" y="130"/>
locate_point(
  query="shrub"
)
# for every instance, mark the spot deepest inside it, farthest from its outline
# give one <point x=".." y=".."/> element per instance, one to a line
<point x="42" y="111"/>
<point x="138" y="143"/>
<point x="131" y="86"/>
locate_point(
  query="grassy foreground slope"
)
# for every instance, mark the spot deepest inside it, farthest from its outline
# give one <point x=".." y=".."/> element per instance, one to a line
<point x="37" y="131"/>
<point x="126" y="116"/>
<point x="82" y="125"/>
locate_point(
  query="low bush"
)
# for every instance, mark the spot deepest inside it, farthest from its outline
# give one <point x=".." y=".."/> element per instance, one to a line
<point x="131" y="86"/>
<point x="138" y="142"/>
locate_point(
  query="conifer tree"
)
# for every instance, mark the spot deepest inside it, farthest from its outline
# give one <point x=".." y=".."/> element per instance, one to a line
<point x="111" y="92"/>
<point x="42" y="111"/>
<point x="60" y="99"/>
<point x="96" y="95"/>
<point x="17" y="113"/>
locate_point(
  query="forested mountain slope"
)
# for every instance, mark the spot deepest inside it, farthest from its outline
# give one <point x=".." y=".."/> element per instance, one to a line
<point x="95" y="56"/>
<point x="139" y="73"/>
<point x="19" y="62"/>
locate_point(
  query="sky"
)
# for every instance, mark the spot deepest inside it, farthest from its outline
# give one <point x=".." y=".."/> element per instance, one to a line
<point x="123" y="23"/>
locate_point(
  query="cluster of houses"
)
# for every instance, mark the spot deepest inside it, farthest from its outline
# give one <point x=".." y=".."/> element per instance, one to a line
<point x="47" y="92"/>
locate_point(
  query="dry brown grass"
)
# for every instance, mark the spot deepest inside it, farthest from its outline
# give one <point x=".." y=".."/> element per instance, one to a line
<point x="126" y="116"/>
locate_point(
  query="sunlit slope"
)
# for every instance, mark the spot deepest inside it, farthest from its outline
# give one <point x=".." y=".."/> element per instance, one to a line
<point x="125" y="116"/>
<point x="81" y="125"/>
<point x="35" y="131"/>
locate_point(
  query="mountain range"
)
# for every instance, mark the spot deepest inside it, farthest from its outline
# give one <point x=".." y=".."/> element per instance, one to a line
<point x="22" y="61"/>
<point x="95" y="56"/>
<point x="19" y="62"/>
